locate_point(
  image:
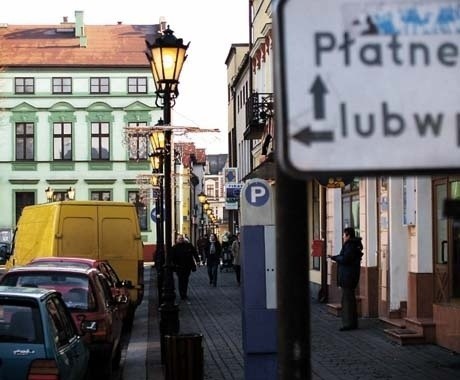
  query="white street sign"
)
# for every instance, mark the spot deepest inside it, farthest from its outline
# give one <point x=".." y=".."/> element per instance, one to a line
<point x="367" y="86"/>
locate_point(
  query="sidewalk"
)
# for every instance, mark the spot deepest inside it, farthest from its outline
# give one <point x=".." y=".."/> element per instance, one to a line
<point x="360" y="354"/>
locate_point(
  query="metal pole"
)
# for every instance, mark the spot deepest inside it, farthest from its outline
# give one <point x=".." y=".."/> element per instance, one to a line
<point x="160" y="254"/>
<point x="169" y="311"/>
<point x="324" y="293"/>
<point x="292" y="278"/>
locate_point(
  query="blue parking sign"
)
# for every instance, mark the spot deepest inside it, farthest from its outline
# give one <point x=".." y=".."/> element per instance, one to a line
<point x="257" y="194"/>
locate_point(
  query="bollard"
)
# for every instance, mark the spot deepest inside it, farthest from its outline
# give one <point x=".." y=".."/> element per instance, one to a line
<point x="184" y="357"/>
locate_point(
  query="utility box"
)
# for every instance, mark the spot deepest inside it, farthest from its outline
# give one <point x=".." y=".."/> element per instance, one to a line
<point x="259" y="295"/>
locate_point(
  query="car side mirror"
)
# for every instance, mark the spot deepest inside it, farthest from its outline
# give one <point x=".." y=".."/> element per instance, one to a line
<point x="88" y="326"/>
<point x="127" y="284"/>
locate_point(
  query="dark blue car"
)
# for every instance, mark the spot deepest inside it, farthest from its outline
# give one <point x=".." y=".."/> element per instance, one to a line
<point x="38" y="337"/>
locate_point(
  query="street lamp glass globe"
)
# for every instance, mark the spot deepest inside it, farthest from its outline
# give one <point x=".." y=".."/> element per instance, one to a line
<point x="166" y="56"/>
<point x="202" y="197"/>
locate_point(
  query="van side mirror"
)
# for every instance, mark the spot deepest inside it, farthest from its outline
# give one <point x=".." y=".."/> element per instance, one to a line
<point x="5" y="252"/>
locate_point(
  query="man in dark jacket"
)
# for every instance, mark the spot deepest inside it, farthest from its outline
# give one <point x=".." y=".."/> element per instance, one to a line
<point x="183" y="258"/>
<point x="349" y="266"/>
<point x="213" y="253"/>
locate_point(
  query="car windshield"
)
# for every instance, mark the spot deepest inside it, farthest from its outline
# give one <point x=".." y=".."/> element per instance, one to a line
<point x="74" y="288"/>
<point x="20" y="323"/>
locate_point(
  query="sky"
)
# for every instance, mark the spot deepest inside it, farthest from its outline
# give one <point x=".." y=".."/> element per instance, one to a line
<point x="211" y="26"/>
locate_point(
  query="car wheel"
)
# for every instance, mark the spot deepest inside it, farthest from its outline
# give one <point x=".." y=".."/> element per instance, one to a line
<point x="129" y="318"/>
<point x="88" y="375"/>
<point x="108" y="370"/>
<point x="103" y="370"/>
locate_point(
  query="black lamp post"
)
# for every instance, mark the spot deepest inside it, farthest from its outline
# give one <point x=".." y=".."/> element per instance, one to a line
<point x="157" y="162"/>
<point x="166" y="56"/>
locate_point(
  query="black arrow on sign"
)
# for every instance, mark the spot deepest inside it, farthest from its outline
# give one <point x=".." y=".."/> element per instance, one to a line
<point x="307" y="136"/>
<point x="318" y="89"/>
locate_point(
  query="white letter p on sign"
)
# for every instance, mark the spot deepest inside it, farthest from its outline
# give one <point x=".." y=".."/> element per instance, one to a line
<point x="257" y="192"/>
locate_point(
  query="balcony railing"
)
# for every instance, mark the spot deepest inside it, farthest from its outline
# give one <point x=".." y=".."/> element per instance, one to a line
<point x="259" y="108"/>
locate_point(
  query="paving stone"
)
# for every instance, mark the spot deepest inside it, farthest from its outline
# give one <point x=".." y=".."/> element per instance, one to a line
<point x="366" y="353"/>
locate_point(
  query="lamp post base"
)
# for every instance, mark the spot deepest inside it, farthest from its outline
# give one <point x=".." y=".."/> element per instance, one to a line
<point x="160" y="279"/>
<point x="169" y="325"/>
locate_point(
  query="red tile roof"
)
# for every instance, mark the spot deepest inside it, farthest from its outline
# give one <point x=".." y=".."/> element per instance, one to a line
<point x="201" y="155"/>
<point x="107" y="45"/>
<point x="188" y="150"/>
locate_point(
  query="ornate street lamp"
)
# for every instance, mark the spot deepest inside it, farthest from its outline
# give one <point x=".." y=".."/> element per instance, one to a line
<point x="71" y="193"/>
<point x="166" y="56"/>
<point x="202" y="199"/>
<point x="49" y="194"/>
<point x="157" y="140"/>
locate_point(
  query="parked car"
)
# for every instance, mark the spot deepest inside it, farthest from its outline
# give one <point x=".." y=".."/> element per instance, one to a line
<point x="38" y="337"/>
<point x="88" y="296"/>
<point x="120" y="288"/>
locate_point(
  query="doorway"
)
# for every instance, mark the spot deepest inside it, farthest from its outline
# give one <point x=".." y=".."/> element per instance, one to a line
<point x="446" y="253"/>
<point x="383" y="251"/>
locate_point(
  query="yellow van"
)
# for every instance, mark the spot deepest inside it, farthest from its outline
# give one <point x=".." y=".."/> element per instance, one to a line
<point x="92" y="229"/>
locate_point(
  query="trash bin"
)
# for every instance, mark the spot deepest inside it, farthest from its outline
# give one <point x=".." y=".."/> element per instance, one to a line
<point x="184" y="357"/>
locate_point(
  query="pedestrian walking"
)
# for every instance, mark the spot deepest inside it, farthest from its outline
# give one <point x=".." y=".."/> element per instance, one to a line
<point x="201" y="244"/>
<point x="213" y="253"/>
<point x="348" y="270"/>
<point x="236" y="258"/>
<point x="183" y="259"/>
<point x="227" y="257"/>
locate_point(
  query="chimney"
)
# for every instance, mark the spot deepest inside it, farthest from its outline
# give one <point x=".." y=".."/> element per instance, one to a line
<point x="65" y="19"/>
<point x="162" y="24"/>
<point x="80" y="29"/>
<point x="79" y="26"/>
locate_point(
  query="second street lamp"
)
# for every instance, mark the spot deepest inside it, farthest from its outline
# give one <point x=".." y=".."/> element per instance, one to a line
<point x="202" y="199"/>
<point x="166" y="56"/>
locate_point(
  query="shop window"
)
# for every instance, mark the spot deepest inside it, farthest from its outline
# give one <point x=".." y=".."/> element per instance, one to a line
<point x="350" y="206"/>
<point x="100" y="137"/>
<point x="103" y="195"/>
<point x="25" y="138"/>
<point x="23" y="199"/>
<point x="141" y="209"/>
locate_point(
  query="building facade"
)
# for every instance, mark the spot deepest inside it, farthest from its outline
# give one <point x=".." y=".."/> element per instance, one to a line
<point x="67" y="93"/>
<point x="410" y="269"/>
